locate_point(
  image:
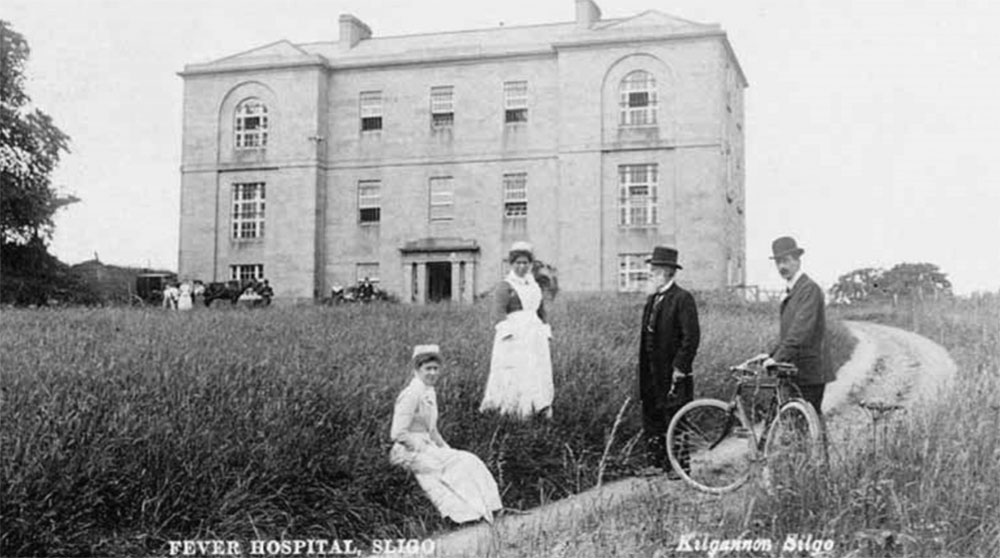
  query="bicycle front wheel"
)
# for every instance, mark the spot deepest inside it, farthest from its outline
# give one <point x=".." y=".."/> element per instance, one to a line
<point x="710" y="444"/>
<point x="793" y="439"/>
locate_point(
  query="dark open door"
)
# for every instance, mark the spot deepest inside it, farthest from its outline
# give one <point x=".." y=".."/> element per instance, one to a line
<point x="438" y="281"/>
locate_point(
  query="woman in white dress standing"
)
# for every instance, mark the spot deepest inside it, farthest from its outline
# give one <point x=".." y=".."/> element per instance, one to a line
<point x="457" y="482"/>
<point x="184" y="296"/>
<point x="520" y="380"/>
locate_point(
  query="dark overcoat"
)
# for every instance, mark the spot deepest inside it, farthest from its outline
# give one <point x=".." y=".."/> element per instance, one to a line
<point x="802" y="335"/>
<point x="675" y="339"/>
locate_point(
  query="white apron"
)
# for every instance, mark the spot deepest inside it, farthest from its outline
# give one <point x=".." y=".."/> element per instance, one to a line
<point x="520" y="380"/>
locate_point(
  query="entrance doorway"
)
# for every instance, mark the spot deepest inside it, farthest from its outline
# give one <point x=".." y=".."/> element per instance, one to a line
<point x="438" y="281"/>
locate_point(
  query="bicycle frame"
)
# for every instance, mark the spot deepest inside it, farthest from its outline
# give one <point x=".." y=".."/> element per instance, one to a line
<point x="719" y="428"/>
<point x="752" y="385"/>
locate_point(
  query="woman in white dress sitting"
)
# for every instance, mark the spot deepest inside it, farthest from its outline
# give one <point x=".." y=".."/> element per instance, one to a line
<point x="520" y="380"/>
<point x="457" y="482"/>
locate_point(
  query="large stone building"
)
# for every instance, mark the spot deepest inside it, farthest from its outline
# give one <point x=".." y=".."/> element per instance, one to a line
<point x="416" y="160"/>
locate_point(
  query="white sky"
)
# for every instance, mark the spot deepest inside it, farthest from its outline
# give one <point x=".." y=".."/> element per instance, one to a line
<point x="871" y="126"/>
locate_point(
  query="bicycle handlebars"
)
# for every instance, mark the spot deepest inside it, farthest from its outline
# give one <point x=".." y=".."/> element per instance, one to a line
<point x="754" y="368"/>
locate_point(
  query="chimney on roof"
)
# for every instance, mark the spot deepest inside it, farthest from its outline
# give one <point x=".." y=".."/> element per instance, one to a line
<point x="587" y="14"/>
<point x="352" y="31"/>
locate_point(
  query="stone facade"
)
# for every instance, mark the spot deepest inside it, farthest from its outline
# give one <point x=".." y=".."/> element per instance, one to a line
<point x="417" y="200"/>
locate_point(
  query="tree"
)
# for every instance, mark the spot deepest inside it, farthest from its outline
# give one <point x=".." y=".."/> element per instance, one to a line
<point x="905" y="280"/>
<point x="30" y="146"/>
<point x="859" y="285"/>
<point x="916" y="280"/>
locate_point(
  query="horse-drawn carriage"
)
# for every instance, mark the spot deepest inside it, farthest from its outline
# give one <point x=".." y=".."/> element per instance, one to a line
<point x="358" y="294"/>
<point x="251" y="291"/>
<point x="149" y="287"/>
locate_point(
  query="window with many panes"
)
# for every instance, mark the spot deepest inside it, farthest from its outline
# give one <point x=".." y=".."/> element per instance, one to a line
<point x="369" y="201"/>
<point x="638" y="99"/>
<point x="442" y="199"/>
<point x="248" y="210"/>
<point x="633" y="272"/>
<point x="442" y="106"/>
<point x="371" y="110"/>
<point x="637" y="185"/>
<point x="251" y="124"/>
<point x="245" y="272"/>
<point x="515" y="196"/>
<point x="367" y="270"/>
<point x="515" y="101"/>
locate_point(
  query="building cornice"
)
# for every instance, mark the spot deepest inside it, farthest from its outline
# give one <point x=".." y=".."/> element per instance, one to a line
<point x="625" y="39"/>
<point x="314" y="60"/>
<point x="426" y="59"/>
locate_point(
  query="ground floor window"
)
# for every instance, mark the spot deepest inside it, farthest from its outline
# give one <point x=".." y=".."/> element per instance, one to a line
<point x="245" y="272"/>
<point x="633" y="273"/>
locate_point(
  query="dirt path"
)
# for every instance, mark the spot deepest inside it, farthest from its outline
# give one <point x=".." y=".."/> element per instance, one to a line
<point x="888" y="364"/>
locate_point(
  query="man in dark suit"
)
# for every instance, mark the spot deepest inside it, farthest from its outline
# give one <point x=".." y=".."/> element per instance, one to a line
<point x="668" y="343"/>
<point x="803" y="325"/>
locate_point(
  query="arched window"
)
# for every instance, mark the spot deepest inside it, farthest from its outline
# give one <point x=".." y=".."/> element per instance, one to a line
<point x="251" y="124"/>
<point x="638" y="99"/>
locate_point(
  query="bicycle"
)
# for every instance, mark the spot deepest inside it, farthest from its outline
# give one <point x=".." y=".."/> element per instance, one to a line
<point x="715" y="446"/>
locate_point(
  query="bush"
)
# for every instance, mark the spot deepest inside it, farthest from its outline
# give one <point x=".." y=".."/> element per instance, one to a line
<point x="33" y="277"/>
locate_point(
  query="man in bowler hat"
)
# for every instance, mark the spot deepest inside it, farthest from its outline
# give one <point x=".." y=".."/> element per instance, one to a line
<point x="801" y="339"/>
<point x="668" y="343"/>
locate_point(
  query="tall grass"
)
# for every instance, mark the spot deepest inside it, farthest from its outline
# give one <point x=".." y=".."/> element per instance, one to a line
<point x="123" y="428"/>
<point x="927" y="485"/>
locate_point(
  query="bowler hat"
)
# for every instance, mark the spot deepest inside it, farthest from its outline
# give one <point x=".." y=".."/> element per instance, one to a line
<point x="663" y="255"/>
<point x="785" y="245"/>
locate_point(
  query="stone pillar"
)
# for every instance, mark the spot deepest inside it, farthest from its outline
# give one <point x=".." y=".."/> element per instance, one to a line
<point x="456" y="285"/>
<point x="469" y="294"/>
<point x="421" y="283"/>
<point x="406" y="293"/>
<point x="463" y="283"/>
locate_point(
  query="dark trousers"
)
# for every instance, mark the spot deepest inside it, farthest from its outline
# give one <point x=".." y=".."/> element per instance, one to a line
<point x="657" y="411"/>
<point x="813" y="394"/>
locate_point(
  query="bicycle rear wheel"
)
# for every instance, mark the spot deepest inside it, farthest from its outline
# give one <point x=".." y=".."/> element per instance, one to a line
<point x="711" y="446"/>
<point x="793" y="440"/>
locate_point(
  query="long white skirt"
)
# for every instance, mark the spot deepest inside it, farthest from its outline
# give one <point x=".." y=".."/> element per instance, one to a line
<point x="456" y="481"/>
<point x="520" y="380"/>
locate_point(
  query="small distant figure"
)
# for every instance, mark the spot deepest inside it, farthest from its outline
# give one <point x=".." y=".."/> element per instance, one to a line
<point x="197" y="290"/>
<point x="170" y="296"/>
<point x="337" y="294"/>
<point x="366" y="291"/>
<point x="184" y="296"/>
<point x="266" y="292"/>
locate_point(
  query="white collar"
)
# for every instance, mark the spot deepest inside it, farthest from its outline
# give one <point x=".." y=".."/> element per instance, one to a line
<point x="794" y="279"/>
<point x="665" y="287"/>
<point x="513" y="278"/>
<point x="419" y="385"/>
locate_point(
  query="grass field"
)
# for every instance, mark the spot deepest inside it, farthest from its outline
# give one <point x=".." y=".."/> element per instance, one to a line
<point x="932" y="489"/>
<point x="928" y="488"/>
<point x="125" y="428"/>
